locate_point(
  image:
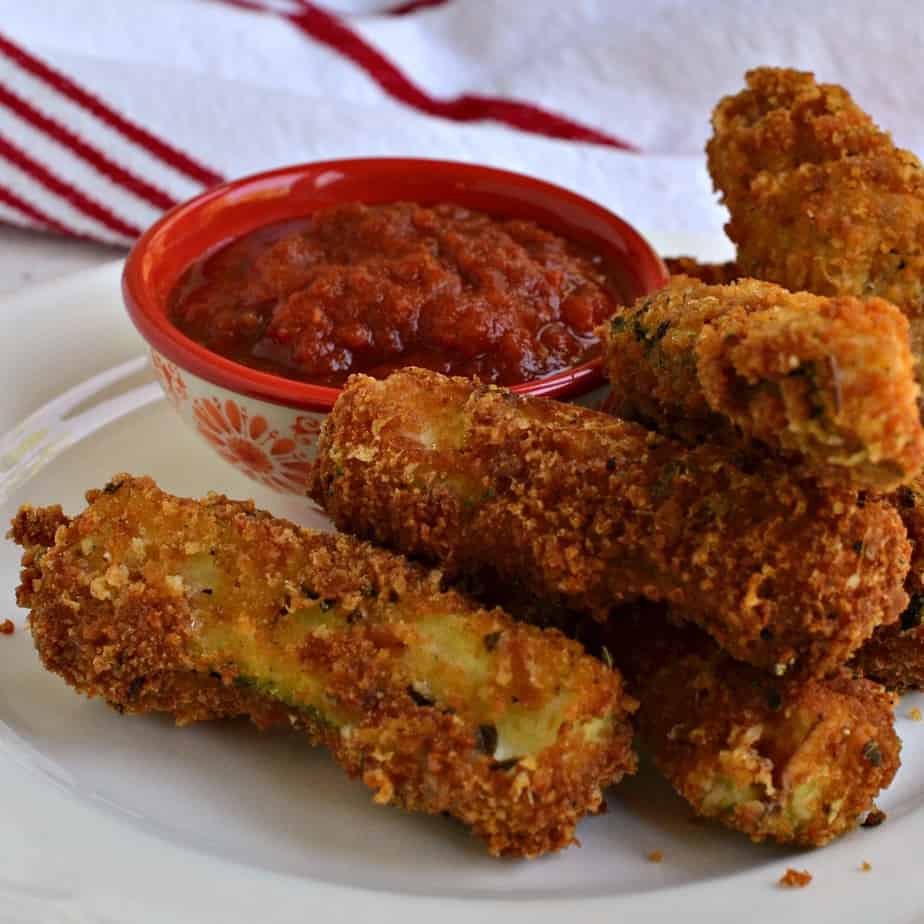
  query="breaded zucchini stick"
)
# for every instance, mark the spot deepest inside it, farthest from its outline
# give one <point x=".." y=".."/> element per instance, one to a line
<point x="820" y="198"/>
<point x="895" y="655"/>
<point x="780" y="121"/>
<point x="828" y="380"/>
<point x="798" y="761"/>
<point x="591" y="511"/>
<point x="211" y="608"/>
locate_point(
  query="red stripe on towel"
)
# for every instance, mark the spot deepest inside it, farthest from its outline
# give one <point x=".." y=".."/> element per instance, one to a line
<point x="134" y="133"/>
<point x="332" y="31"/>
<point x="99" y="161"/>
<point x="79" y="200"/>
<point x="8" y="197"/>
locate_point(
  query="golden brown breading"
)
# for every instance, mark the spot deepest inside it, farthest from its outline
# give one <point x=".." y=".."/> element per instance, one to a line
<point x="784" y="119"/>
<point x="589" y="510"/>
<point x="895" y="655"/>
<point x="211" y="608"/>
<point x="713" y="274"/>
<point x="850" y="227"/>
<point x="798" y="761"/>
<point x="830" y="381"/>
<point x="820" y="199"/>
<point x="37" y="526"/>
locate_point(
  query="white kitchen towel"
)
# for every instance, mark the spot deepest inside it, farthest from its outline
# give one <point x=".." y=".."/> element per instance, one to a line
<point x="113" y="110"/>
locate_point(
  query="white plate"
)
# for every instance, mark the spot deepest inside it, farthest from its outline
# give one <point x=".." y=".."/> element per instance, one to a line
<point x="108" y="818"/>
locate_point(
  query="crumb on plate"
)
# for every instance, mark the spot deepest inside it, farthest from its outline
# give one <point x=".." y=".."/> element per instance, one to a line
<point x="866" y="866"/>
<point x="7" y="627"/>
<point x="875" y="818"/>
<point x="795" y="879"/>
<point x="656" y="856"/>
<point x="914" y="714"/>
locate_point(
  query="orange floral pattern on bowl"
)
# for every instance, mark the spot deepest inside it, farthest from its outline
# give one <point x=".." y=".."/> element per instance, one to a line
<point x="171" y="379"/>
<point x="273" y="444"/>
<point x="307" y="429"/>
<point x="249" y="443"/>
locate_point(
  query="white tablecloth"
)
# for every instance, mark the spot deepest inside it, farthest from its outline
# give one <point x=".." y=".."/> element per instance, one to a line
<point x="234" y="86"/>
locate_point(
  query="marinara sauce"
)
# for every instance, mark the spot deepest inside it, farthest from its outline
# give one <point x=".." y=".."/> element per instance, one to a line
<point x="369" y="288"/>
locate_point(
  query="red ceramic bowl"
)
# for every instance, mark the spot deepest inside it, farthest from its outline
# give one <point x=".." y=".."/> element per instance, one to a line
<point x="253" y="418"/>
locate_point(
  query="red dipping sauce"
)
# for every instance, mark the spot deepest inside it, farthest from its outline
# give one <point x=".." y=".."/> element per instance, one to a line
<point x="370" y="288"/>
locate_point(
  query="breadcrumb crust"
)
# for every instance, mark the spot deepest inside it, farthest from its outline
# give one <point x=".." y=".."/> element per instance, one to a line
<point x="794" y="760"/>
<point x="117" y="610"/>
<point x="820" y="198"/>
<point x="590" y="511"/>
<point x="829" y="382"/>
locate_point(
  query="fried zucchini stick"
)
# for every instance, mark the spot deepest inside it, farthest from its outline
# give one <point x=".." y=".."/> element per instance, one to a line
<point x="895" y="655"/>
<point x="820" y="198"/>
<point x="591" y="511"/>
<point x="210" y="608"/>
<point x="798" y="761"/>
<point x="782" y="120"/>
<point x="830" y="381"/>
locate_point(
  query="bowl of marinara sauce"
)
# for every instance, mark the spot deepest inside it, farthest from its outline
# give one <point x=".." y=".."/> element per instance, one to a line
<point x="259" y="298"/>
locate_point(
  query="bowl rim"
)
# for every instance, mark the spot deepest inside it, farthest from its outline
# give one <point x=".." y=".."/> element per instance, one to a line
<point x="154" y="325"/>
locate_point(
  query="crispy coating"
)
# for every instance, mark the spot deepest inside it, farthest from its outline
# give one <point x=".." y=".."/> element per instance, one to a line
<point x="784" y="119"/>
<point x="797" y="761"/>
<point x="820" y="198"/>
<point x="895" y="655"/>
<point x="591" y="511"/>
<point x="829" y="381"/>
<point x="205" y="609"/>
<point x="713" y="274"/>
<point x="37" y="525"/>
